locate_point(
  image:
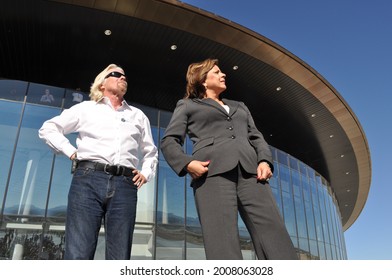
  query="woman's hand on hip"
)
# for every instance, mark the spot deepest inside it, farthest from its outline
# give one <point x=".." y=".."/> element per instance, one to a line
<point x="264" y="172"/>
<point x="197" y="168"/>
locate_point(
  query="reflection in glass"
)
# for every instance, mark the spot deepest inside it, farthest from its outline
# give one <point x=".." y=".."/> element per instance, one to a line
<point x="45" y="95"/>
<point x="10" y="115"/>
<point x="73" y="97"/>
<point x="13" y="90"/>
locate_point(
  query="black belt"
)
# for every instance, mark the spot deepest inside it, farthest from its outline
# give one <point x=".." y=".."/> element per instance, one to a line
<point x="115" y="170"/>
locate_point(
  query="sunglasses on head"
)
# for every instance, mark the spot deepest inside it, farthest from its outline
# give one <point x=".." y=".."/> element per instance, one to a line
<point x="116" y="75"/>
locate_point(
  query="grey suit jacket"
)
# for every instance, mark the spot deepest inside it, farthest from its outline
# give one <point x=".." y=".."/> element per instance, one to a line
<point x="225" y="139"/>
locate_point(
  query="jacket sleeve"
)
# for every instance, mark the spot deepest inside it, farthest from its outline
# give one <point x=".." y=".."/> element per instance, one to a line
<point x="257" y="140"/>
<point x="173" y="140"/>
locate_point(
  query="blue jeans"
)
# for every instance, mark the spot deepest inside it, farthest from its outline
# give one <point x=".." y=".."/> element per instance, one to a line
<point x="95" y="196"/>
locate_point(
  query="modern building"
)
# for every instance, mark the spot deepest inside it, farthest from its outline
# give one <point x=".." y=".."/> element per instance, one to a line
<point x="50" y="52"/>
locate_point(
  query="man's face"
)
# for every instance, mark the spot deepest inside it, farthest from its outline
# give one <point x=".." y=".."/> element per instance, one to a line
<point x="116" y="81"/>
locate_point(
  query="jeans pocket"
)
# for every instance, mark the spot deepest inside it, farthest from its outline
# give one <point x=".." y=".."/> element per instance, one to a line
<point x="129" y="180"/>
<point x="80" y="172"/>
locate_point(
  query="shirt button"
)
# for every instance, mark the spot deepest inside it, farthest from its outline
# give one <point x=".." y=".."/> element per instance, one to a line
<point x="228" y="119"/>
<point x="230" y="128"/>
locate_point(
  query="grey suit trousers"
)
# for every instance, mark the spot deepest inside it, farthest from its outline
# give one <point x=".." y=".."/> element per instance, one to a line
<point x="220" y="198"/>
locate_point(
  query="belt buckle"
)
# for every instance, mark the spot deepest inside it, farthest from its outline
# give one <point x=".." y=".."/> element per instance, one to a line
<point x="119" y="170"/>
<point x="115" y="170"/>
<point x="106" y="170"/>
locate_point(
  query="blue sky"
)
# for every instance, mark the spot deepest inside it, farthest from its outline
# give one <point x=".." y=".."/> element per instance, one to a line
<point x="349" y="42"/>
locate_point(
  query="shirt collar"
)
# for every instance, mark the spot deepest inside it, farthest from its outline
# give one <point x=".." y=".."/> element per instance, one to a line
<point x="105" y="100"/>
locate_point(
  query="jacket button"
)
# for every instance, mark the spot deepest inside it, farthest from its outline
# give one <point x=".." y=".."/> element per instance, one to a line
<point x="232" y="136"/>
<point x="228" y="119"/>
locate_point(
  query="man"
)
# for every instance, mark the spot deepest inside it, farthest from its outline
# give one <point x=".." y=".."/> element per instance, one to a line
<point x="111" y="137"/>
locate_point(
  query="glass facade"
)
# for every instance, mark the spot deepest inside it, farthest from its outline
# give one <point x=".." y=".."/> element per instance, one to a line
<point x="34" y="185"/>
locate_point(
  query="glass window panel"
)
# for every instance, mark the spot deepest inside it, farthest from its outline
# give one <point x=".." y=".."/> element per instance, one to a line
<point x="333" y="250"/>
<point x="284" y="176"/>
<point x="10" y="113"/>
<point x="164" y="118"/>
<point x="295" y="241"/>
<point x="45" y="95"/>
<point x="143" y="241"/>
<point x="53" y="245"/>
<point x="143" y="245"/>
<point x="314" y="249"/>
<point x="61" y="182"/>
<point x="328" y="245"/>
<point x="282" y="157"/>
<point x="170" y="233"/>
<point x="277" y="195"/>
<point x="170" y="214"/>
<point x="329" y="220"/>
<point x="332" y="224"/>
<point x="273" y="152"/>
<point x="293" y="163"/>
<point x="29" y="181"/>
<point x="301" y="218"/>
<point x="194" y="237"/>
<point x="328" y="251"/>
<point x="299" y="210"/>
<point x="24" y="239"/>
<point x="308" y="208"/>
<point x="316" y="209"/>
<point x="322" y="253"/>
<point x="288" y="212"/>
<point x="6" y="242"/>
<point x="302" y="168"/>
<point x="296" y="181"/>
<point x="146" y="195"/>
<point x="310" y="221"/>
<point x="303" y="244"/>
<point x="13" y="90"/>
<point x="73" y="97"/>
<point x="323" y="198"/>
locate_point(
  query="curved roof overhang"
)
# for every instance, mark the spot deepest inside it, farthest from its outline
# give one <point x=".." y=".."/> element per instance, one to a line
<point x="62" y="43"/>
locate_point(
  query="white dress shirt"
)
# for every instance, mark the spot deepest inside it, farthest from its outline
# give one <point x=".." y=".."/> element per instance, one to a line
<point x="106" y="135"/>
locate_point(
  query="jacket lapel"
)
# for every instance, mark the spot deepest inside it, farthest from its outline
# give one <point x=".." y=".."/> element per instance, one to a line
<point x="212" y="103"/>
<point x="233" y="105"/>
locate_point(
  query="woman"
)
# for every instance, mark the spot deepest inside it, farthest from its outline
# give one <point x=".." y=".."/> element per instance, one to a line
<point x="230" y="166"/>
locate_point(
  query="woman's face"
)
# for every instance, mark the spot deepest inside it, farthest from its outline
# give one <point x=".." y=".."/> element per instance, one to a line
<point x="215" y="80"/>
